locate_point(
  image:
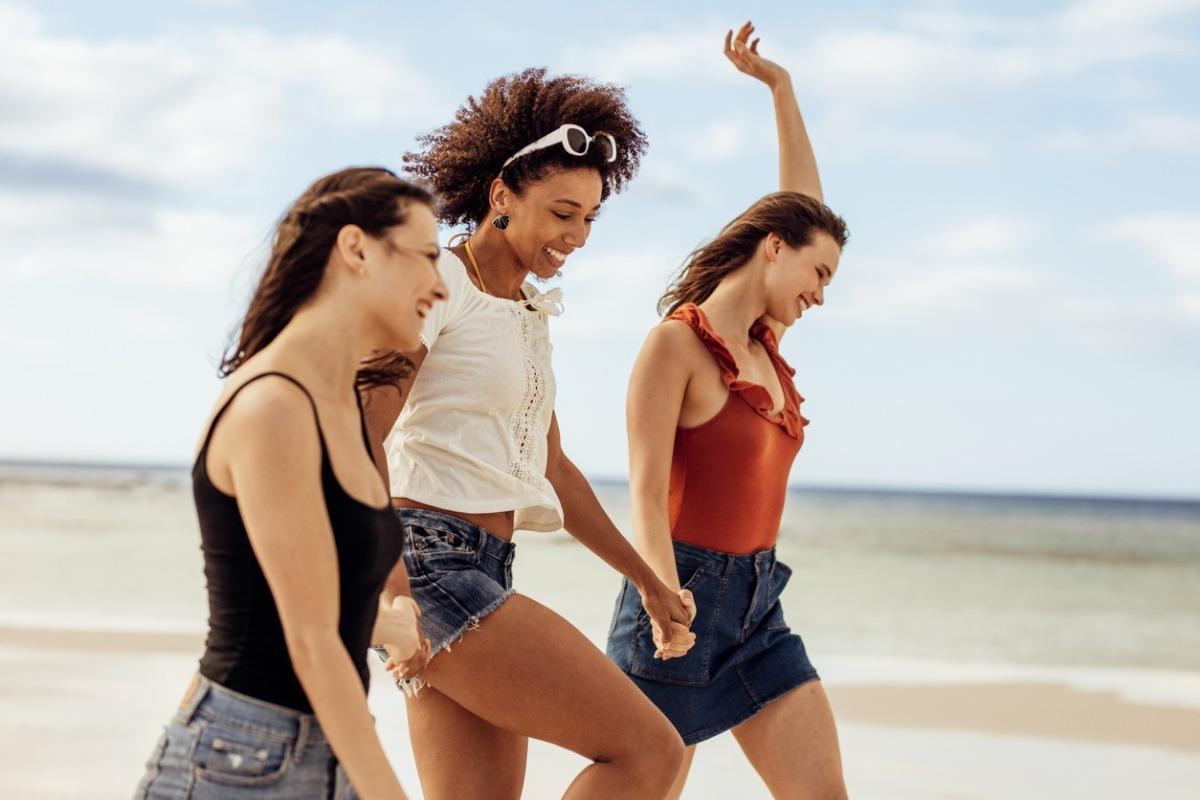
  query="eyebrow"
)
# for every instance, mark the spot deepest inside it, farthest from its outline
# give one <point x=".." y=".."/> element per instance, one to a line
<point x="574" y="203"/>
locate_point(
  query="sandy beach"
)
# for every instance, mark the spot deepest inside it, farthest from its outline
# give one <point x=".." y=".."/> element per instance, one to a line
<point x="103" y="614"/>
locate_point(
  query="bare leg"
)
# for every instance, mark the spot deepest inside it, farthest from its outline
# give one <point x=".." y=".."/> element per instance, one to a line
<point x="792" y="744"/>
<point x="677" y="789"/>
<point x="529" y="672"/>
<point x="483" y="761"/>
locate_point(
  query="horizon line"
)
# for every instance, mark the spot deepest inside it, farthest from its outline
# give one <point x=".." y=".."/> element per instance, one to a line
<point x="992" y="493"/>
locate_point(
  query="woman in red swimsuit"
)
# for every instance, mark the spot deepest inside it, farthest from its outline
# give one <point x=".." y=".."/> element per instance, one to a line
<point x="714" y="425"/>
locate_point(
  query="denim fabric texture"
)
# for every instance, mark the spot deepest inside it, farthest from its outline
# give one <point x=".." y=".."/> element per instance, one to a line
<point x="745" y="654"/>
<point x="222" y="744"/>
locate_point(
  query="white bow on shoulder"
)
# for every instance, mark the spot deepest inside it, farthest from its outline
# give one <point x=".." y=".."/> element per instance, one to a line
<point x="549" y="302"/>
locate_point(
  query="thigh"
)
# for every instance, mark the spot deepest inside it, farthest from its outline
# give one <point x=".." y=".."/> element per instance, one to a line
<point x="689" y="753"/>
<point x="486" y="761"/>
<point x="792" y="743"/>
<point x="528" y="671"/>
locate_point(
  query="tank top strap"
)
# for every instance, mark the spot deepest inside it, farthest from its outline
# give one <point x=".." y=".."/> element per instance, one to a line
<point x="316" y="416"/>
<point x="362" y="422"/>
<point x="691" y="314"/>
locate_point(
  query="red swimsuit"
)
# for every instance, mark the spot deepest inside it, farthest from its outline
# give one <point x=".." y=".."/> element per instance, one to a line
<point x="729" y="475"/>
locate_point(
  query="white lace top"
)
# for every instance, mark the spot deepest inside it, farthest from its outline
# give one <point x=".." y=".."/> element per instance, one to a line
<point x="472" y="434"/>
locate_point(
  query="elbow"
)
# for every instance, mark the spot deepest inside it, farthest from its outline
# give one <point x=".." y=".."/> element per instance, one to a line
<point x="312" y="643"/>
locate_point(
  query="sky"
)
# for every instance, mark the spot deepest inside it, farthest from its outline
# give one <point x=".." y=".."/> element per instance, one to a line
<point x="1018" y="308"/>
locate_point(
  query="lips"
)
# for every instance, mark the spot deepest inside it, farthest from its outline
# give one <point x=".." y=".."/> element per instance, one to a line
<point x="556" y="257"/>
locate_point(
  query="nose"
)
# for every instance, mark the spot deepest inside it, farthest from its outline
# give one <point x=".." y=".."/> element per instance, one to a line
<point x="819" y="295"/>
<point x="577" y="236"/>
<point x="439" y="288"/>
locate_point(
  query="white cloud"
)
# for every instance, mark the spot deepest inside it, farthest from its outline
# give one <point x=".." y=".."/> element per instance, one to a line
<point x="1157" y="132"/>
<point x="192" y="107"/>
<point x="846" y="135"/>
<point x="984" y="274"/>
<point x="1171" y="238"/>
<point x="670" y="182"/>
<point x="613" y="292"/>
<point x="1121" y="16"/>
<point x="981" y="236"/>
<point x="923" y="55"/>
<point x="721" y="139"/>
<point x="67" y="236"/>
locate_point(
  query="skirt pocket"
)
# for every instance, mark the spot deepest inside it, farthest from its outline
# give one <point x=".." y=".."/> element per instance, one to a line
<point x="692" y="669"/>
<point x="780" y="575"/>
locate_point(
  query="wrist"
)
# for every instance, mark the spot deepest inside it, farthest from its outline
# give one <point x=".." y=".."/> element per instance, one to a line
<point x="645" y="579"/>
<point x="781" y="86"/>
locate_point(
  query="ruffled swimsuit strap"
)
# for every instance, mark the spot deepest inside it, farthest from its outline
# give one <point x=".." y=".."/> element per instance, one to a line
<point x="756" y="396"/>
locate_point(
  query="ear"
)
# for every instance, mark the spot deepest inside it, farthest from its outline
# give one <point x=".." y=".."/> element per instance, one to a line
<point x="350" y="247"/>
<point x="499" y="196"/>
<point x="772" y="243"/>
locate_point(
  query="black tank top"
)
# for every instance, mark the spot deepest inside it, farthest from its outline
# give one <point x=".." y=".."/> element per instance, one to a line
<point x="245" y="650"/>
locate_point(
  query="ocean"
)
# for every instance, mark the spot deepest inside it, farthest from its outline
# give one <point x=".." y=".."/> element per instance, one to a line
<point x="1072" y="625"/>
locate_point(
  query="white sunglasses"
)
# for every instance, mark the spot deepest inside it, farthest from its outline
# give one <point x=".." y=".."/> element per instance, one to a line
<point x="575" y="140"/>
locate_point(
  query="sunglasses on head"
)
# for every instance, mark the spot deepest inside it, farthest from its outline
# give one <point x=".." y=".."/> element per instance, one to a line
<point x="575" y="140"/>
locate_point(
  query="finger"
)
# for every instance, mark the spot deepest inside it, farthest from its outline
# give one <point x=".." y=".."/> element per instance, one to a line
<point x="744" y="31"/>
<point x="754" y="46"/>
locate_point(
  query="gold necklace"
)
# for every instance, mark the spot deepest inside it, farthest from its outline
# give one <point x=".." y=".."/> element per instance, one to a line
<point x="475" y="266"/>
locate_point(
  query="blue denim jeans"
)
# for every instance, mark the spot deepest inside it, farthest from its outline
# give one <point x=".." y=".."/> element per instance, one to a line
<point x="222" y="744"/>
<point x="458" y="572"/>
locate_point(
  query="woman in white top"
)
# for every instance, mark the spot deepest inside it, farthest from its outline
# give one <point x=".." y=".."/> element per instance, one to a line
<point x="475" y="455"/>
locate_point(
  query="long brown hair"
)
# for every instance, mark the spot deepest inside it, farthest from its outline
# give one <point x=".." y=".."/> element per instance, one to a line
<point x="793" y="216"/>
<point x="374" y="199"/>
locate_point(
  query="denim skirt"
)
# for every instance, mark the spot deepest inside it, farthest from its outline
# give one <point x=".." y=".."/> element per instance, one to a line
<point x="458" y="573"/>
<point x="223" y="744"/>
<point x="745" y="655"/>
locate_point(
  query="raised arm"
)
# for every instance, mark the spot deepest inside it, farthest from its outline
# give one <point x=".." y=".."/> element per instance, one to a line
<point x="797" y="164"/>
<point x="276" y="474"/>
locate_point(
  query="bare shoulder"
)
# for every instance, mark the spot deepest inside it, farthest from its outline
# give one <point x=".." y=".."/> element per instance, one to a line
<point x="674" y="342"/>
<point x="273" y="410"/>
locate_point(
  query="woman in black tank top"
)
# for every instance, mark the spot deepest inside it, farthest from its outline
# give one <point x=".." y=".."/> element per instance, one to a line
<point x="296" y="527"/>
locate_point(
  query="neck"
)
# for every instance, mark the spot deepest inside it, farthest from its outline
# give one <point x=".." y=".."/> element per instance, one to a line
<point x="499" y="266"/>
<point x="331" y="343"/>
<point x="738" y="302"/>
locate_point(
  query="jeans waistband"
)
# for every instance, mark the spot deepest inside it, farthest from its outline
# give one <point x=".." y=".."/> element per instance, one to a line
<point x="724" y="563"/>
<point x="210" y="699"/>
<point x="479" y="537"/>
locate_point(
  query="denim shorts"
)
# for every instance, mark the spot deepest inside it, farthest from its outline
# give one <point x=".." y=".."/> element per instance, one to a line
<point x="459" y="573"/>
<point x="745" y="655"/>
<point x="223" y="744"/>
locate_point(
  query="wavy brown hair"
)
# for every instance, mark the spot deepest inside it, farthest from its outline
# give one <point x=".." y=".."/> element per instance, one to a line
<point x="461" y="159"/>
<point x="374" y="199"/>
<point x="794" y="217"/>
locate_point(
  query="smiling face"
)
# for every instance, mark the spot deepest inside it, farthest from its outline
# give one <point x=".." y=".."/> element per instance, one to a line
<point x="796" y="277"/>
<point x="403" y="281"/>
<point x="551" y="218"/>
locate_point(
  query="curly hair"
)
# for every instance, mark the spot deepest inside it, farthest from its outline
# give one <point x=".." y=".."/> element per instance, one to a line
<point x="461" y="159"/>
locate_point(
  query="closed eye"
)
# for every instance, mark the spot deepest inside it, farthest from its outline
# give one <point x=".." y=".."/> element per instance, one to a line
<point x="563" y="217"/>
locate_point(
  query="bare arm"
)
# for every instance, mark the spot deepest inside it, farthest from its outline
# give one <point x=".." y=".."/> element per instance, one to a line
<point x="656" y="391"/>
<point x="585" y="519"/>
<point x="797" y="164"/>
<point x="275" y="468"/>
<point x="381" y="408"/>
